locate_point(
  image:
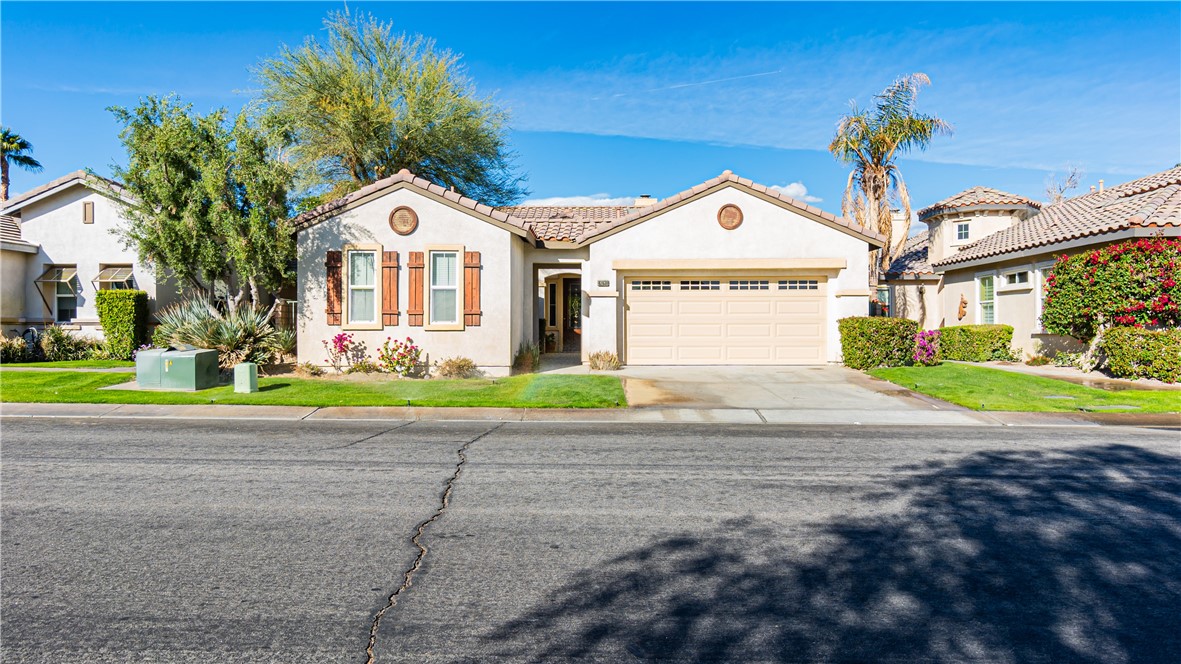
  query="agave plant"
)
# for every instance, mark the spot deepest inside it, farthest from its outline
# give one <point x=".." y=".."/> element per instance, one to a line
<point x="239" y="335"/>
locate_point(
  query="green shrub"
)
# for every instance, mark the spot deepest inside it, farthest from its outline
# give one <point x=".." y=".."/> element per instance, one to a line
<point x="1038" y="361"/>
<point x="58" y="345"/>
<point x="976" y="343"/>
<point x="603" y="360"/>
<point x="1134" y="283"/>
<point x="308" y="370"/>
<point x="282" y="343"/>
<point x="457" y="367"/>
<point x="1135" y="353"/>
<point x="123" y="315"/>
<point x="527" y="359"/>
<point x="241" y="335"/>
<point x="14" y="349"/>
<point x="875" y="341"/>
<point x="364" y="365"/>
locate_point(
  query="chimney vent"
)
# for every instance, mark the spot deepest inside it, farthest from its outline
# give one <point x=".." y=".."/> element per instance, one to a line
<point x="1101" y="185"/>
<point x="645" y="200"/>
<point x="1092" y="189"/>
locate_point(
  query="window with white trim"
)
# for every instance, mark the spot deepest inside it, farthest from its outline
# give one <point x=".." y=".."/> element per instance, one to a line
<point x="799" y="284"/>
<point x="444" y="274"/>
<point x="699" y="285"/>
<point x="1017" y="278"/>
<point x="961" y="231"/>
<point x="362" y="295"/>
<point x="987" y="300"/>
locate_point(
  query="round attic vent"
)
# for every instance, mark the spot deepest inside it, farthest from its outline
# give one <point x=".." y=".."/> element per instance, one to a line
<point x="403" y="220"/>
<point x="730" y="216"/>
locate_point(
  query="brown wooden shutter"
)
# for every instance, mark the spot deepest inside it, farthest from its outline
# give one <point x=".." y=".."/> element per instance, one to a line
<point x="471" y="288"/>
<point x="414" y="289"/>
<point x="332" y="269"/>
<point x="389" y="288"/>
<point x="88" y="212"/>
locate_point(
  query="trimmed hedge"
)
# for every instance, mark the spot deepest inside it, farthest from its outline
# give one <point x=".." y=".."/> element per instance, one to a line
<point x="875" y="341"/>
<point x="976" y="343"/>
<point x="1135" y="353"/>
<point x="123" y="315"/>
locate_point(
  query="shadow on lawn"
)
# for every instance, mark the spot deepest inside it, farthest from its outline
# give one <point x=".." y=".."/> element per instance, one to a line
<point x="1044" y="556"/>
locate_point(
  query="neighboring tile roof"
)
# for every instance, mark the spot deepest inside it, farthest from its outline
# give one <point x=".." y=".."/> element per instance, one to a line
<point x="577" y="225"/>
<point x="977" y="196"/>
<point x="1150" y="202"/>
<point x="322" y="212"/>
<point x="913" y="259"/>
<point x="15" y="203"/>
<point x="10" y="229"/>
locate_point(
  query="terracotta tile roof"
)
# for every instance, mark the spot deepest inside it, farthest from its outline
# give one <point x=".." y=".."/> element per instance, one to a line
<point x="913" y="259"/>
<point x="584" y="225"/>
<point x="10" y="229"/>
<point x="976" y="196"/>
<point x="1150" y="202"/>
<point x="15" y="203"/>
<point x="331" y="208"/>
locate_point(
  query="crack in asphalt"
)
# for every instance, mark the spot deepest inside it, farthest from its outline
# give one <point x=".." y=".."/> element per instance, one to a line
<point x="358" y="442"/>
<point x="408" y="575"/>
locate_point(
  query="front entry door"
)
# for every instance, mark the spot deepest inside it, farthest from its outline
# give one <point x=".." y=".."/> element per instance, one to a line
<point x="571" y="315"/>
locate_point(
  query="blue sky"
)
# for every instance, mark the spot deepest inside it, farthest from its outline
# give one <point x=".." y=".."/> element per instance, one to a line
<point x="613" y="100"/>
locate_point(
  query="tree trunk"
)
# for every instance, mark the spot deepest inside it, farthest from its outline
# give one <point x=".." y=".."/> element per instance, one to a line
<point x="3" y="178"/>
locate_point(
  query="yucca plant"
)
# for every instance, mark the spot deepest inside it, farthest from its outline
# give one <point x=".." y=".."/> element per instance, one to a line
<point x="282" y="343"/>
<point x="239" y="335"/>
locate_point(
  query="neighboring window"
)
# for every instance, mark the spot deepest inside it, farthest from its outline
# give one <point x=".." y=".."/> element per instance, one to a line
<point x="67" y="302"/>
<point x="114" y="277"/>
<point x="987" y="301"/>
<point x="1017" y="278"/>
<point x="961" y="231"/>
<point x="694" y="284"/>
<point x="749" y="284"/>
<point x="553" y="305"/>
<point x="444" y="267"/>
<point x="362" y="295"/>
<point x="799" y="284"/>
<point x="648" y="284"/>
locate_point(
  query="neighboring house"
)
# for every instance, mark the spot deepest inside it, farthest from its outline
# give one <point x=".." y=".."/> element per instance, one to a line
<point x="986" y="254"/>
<point x="728" y="272"/>
<point x="58" y="250"/>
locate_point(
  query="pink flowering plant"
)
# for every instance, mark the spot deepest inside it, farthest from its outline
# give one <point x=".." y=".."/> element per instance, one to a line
<point x="343" y="351"/>
<point x="400" y="357"/>
<point x="926" y="348"/>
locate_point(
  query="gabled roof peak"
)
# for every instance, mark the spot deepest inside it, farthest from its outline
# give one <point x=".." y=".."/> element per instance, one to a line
<point x="977" y="196"/>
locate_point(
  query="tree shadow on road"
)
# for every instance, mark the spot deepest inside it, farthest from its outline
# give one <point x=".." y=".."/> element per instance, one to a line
<point x="1019" y="556"/>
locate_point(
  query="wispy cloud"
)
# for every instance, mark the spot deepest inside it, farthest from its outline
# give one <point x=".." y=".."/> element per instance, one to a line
<point x="681" y="86"/>
<point x="573" y="201"/>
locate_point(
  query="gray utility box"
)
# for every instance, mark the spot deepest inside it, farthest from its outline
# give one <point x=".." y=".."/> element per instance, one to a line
<point x="176" y="369"/>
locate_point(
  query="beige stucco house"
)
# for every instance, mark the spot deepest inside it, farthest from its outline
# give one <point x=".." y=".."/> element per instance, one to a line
<point x="985" y="254"/>
<point x="59" y="249"/>
<point x="728" y="272"/>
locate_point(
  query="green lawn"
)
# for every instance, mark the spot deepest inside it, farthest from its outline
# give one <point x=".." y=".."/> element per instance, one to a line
<point x="73" y="364"/>
<point x="527" y="391"/>
<point x="983" y="388"/>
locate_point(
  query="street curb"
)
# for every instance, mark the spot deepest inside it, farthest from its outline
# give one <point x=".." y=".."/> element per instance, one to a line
<point x="761" y="417"/>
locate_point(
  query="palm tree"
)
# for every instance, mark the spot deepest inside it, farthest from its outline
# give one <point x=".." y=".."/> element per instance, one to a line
<point x="14" y="150"/>
<point x="871" y="140"/>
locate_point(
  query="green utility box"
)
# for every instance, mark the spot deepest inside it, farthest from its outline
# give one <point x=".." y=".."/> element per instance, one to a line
<point x="189" y="369"/>
<point x="246" y="377"/>
<point x="149" y="368"/>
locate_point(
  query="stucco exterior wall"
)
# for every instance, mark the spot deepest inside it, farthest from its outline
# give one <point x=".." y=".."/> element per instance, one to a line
<point x="13" y="268"/>
<point x="981" y="224"/>
<point x="691" y="231"/>
<point x="55" y="223"/>
<point x="917" y="300"/>
<point x="490" y="345"/>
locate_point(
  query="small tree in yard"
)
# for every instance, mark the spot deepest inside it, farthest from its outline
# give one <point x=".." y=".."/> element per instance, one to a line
<point x="206" y="199"/>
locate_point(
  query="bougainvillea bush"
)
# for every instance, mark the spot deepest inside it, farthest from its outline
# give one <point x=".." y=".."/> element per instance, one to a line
<point x="400" y="357"/>
<point x="926" y="348"/>
<point x="1130" y="284"/>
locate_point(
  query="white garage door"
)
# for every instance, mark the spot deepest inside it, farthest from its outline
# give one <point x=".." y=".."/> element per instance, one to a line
<point x="725" y="320"/>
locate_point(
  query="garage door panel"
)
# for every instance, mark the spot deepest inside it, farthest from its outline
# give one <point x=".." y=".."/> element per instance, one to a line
<point x="747" y="325"/>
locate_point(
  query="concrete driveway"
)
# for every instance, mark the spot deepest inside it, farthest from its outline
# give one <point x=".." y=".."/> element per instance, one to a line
<point x="767" y="388"/>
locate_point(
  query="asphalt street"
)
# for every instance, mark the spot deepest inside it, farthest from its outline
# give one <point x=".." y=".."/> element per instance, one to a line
<point x="246" y="541"/>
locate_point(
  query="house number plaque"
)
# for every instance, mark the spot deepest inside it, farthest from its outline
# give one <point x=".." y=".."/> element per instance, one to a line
<point x="730" y="216"/>
<point x="403" y="220"/>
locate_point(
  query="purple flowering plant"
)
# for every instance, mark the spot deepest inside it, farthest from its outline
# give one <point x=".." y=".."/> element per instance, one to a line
<point x="400" y="357"/>
<point x="926" y="348"/>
